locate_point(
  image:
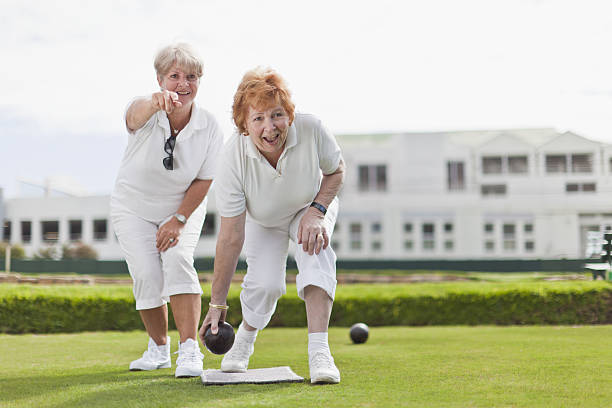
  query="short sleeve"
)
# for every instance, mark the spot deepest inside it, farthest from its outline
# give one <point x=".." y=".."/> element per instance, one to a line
<point x="229" y="190"/>
<point x="215" y="143"/>
<point x="328" y="150"/>
<point x="144" y="128"/>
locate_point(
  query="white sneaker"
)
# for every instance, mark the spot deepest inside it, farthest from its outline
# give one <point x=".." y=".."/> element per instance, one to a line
<point x="237" y="359"/>
<point x="189" y="362"/>
<point x="323" y="369"/>
<point x="155" y="357"/>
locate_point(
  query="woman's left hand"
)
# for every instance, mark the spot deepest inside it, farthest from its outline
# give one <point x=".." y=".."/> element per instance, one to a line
<point x="168" y="234"/>
<point x="311" y="232"/>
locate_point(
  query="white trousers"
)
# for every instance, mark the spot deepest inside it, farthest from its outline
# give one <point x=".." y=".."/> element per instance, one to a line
<point x="157" y="276"/>
<point x="266" y="255"/>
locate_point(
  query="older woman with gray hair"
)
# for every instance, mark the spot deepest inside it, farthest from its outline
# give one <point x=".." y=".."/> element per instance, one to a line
<point x="158" y="205"/>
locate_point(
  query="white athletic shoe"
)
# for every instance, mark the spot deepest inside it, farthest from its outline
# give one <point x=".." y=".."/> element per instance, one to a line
<point x="189" y="362"/>
<point x="155" y="357"/>
<point x="237" y="359"/>
<point x="323" y="369"/>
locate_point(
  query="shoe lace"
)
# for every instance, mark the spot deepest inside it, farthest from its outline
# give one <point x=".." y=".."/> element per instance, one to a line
<point x="193" y="355"/>
<point x="240" y="351"/>
<point x="322" y="360"/>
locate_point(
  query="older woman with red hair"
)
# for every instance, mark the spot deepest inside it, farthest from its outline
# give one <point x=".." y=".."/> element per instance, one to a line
<point x="277" y="182"/>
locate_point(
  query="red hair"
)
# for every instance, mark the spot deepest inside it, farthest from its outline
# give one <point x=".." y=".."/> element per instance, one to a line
<point x="261" y="88"/>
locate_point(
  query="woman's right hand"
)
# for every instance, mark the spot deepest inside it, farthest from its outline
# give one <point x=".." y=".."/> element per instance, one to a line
<point x="165" y="100"/>
<point x="212" y="319"/>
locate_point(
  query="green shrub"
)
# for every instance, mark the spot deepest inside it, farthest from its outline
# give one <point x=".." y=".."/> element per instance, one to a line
<point x="78" y="250"/>
<point x="49" y="252"/>
<point x="17" y="251"/>
<point x="31" y="311"/>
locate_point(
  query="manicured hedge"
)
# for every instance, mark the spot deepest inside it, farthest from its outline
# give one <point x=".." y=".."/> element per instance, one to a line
<point x="579" y="303"/>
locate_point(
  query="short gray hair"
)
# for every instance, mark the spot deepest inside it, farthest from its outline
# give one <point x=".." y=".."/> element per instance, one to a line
<point x="181" y="54"/>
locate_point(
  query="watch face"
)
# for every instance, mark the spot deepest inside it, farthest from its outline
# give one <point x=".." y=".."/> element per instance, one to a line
<point x="181" y="218"/>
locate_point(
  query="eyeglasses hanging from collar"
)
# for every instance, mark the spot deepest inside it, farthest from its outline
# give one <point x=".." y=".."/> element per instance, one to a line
<point x="169" y="148"/>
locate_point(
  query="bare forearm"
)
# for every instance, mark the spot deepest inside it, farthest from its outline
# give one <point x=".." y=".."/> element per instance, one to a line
<point x="139" y="112"/>
<point x="229" y="245"/>
<point x="194" y="196"/>
<point x="330" y="185"/>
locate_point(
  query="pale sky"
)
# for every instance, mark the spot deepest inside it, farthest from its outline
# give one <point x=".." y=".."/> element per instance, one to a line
<point x="71" y="66"/>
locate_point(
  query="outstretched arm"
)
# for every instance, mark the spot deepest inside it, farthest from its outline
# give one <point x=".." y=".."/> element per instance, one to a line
<point x="229" y="245"/>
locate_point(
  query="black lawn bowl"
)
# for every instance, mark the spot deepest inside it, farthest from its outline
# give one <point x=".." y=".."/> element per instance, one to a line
<point x="359" y="333"/>
<point x="221" y="342"/>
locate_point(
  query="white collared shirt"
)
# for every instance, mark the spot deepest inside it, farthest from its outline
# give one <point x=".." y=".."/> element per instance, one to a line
<point x="144" y="186"/>
<point x="272" y="197"/>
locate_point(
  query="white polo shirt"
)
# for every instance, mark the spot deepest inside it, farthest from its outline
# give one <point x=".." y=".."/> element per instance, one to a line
<point x="144" y="186"/>
<point x="272" y="197"/>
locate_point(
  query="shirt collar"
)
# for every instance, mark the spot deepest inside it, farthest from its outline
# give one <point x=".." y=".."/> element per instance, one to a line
<point x="197" y="120"/>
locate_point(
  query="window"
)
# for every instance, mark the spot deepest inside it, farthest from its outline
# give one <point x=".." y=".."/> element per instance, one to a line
<point x="428" y="236"/>
<point x="492" y="165"/>
<point x="582" y="163"/>
<point x="529" y="246"/>
<point x="528" y="228"/>
<point x="75" y="228"/>
<point x="488" y="228"/>
<point x="355" y="236"/>
<point x="509" y="245"/>
<point x="408" y="245"/>
<point x="455" y="176"/>
<point x="493" y="189"/>
<point x="6" y="231"/>
<point x="449" y="245"/>
<point x="576" y="163"/>
<point x="448" y="227"/>
<point x="209" y="226"/>
<point x="580" y="187"/>
<point x="408" y="228"/>
<point x="556" y="163"/>
<point x="50" y="231"/>
<point x="335" y="245"/>
<point x="99" y="229"/>
<point x="509" y="230"/>
<point x="376" y="246"/>
<point x="372" y="177"/>
<point x="517" y="164"/>
<point x="26" y="231"/>
<point x="376" y="227"/>
<point x="489" y="246"/>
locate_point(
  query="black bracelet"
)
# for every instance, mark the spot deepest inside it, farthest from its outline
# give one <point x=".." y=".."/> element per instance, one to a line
<point x="319" y="207"/>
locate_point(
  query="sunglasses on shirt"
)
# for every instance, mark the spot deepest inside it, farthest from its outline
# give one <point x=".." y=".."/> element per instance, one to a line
<point x="169" y="148"/>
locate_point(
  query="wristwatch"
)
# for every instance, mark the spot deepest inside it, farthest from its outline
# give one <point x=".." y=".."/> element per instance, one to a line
<point x="181" y="218"/>
<point x="319" y="207"/>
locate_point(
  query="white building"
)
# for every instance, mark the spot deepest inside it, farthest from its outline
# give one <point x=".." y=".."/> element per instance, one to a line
<point x="510" y="194"/>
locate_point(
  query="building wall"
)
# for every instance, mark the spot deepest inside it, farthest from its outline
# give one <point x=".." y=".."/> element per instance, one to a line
<point x="397" y="202"/>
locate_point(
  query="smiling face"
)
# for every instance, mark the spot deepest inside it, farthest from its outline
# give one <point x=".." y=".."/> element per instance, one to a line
<point x="268" y="129"/>
<point x="184" y="83"/>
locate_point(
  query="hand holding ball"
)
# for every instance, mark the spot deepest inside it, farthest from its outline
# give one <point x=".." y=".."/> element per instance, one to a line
<point x="221" y="342"/>
<point x="359" y="333"/>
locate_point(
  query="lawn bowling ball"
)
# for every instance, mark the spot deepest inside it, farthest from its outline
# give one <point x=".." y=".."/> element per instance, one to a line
<point x="359" y="333"/>
<point x="221" y="342"/>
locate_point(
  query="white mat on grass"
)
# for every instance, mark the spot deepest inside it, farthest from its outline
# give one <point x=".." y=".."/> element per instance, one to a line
<point x="255" y="376"/>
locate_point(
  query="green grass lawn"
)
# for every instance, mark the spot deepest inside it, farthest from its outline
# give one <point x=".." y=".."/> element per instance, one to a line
<point x="398" y="367"/>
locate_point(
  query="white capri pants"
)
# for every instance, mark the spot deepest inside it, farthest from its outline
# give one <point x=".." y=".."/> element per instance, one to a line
<point x="157" y="276"/>
<point x="266" y="255"/>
